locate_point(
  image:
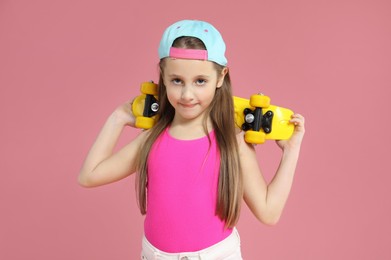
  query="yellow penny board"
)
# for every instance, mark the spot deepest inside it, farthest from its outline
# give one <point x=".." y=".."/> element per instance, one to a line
<point x="256" y="116"/>
<point x="262" y="121"/>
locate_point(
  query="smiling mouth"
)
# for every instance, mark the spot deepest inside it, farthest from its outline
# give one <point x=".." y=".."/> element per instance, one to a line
<point x="187" y="105"/>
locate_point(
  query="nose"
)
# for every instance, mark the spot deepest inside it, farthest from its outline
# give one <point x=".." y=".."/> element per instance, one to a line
<point x="187" y="94"/>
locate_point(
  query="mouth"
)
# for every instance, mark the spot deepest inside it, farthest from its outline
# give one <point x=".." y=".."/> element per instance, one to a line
<point x="187" y="105"/>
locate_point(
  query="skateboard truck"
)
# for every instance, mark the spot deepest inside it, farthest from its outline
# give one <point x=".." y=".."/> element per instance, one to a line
<point x="151" y="106"/>
<point x="255" y="120"/>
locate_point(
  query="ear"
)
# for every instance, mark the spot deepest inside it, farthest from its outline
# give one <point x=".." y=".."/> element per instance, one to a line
<point x="221" y="77"/>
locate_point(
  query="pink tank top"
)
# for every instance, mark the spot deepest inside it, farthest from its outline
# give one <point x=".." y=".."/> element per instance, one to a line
<point x="182" y="193"/>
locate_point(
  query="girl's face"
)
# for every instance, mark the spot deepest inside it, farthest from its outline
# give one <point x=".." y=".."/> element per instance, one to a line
<point x="191" y="86"/>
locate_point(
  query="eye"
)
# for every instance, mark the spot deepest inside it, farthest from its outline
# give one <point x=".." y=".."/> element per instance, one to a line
<point x="176" y="81"/>
<point x="200" y="82"/>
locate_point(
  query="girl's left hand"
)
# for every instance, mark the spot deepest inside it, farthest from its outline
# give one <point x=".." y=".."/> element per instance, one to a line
<point x="297" y="137"/>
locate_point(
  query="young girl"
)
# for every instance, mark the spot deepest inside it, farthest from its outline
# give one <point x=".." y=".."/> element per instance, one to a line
<point x="193" y="167"/>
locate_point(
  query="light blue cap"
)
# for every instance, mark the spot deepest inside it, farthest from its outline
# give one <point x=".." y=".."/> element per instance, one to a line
<point x="204" y="31"/>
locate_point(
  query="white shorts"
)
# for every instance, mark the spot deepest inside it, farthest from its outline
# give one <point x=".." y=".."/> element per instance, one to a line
<point x="228" y="249"/>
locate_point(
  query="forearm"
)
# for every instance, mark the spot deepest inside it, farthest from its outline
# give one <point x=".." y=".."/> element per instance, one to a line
<point x="103" y="146"/>
<point x="267" y="201"/>
<point x="279" y="188"/>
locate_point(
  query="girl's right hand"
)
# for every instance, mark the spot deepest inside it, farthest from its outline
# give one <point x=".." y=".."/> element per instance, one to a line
<point x="123" y="114"/>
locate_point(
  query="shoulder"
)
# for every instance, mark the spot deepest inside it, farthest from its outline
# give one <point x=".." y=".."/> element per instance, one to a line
<point x="129" y="152"/>
<point x="143" y="136"/>
<point x="139" y="140"/>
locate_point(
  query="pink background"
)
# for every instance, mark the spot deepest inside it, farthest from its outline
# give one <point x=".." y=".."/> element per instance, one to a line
<point x="65" y="65"/>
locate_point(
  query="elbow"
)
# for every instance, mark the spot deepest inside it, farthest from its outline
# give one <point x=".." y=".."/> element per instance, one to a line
<point x="84" y="182"/>
<point x="270" y="219"/>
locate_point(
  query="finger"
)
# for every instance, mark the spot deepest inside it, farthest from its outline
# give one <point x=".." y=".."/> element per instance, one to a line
<point x="297" y="122"/>
<point x="297" y="118"/>
<point x="130" y="102"/>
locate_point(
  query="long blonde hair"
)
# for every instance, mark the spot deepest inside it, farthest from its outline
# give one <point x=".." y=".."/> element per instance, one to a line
<point x="221" y="112"/>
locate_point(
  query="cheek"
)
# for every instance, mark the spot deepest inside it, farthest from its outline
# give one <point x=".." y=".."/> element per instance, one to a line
<point x="207" y="96"/>
<point x="172" y="96"/>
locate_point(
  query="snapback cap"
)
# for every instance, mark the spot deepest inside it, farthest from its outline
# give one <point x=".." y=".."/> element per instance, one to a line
<point x="207" y="33"/>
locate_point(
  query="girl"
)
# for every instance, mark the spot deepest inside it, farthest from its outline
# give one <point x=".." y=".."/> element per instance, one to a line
<point x="193" y="167"/>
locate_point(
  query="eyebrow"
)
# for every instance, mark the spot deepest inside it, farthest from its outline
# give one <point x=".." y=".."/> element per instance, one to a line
<point x="197" y="76"/>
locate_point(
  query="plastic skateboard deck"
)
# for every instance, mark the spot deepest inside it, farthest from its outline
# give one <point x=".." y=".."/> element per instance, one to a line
<point x="262" y="121"/>
<point x="259" y="119"/>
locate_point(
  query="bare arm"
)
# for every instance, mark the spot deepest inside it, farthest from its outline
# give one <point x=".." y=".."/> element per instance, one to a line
<point x="101" y="165"/>
<point x="267" y="201"/>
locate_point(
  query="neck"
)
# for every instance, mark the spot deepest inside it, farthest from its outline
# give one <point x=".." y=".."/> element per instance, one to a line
<point x="189" y="129"/>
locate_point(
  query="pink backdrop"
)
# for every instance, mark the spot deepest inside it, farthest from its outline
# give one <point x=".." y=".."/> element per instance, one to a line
<point x="65" y="65"/>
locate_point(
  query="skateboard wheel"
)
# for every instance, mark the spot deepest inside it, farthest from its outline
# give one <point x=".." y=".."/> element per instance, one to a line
<point x="259" y="101"/>
<point x="149" y="88"/>
<point x="138" y="105"/>
<point x="254" y="137"/>
<point x="144" y="122"/>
